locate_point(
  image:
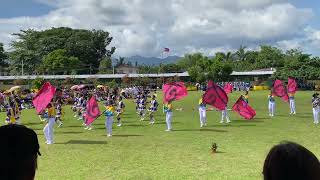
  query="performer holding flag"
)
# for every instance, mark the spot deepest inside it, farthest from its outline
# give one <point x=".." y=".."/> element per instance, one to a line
<point x="218" y="98"/>
<point x="48" y="129"/>
<point x="292" y="88"/>
<point x="315" y="108"/>
<point x="172" y="91"/>
<point x="42" y="101"/>
<point x="202" y="113"/>
<point x="271" y="105"/>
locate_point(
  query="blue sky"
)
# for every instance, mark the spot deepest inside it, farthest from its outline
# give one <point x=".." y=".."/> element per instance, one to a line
<point x="144" y="27"/>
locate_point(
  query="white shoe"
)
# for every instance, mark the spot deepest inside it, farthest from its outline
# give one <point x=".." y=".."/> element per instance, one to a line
<point x="119" y="125"/>
<point x="49" y="143"/>
<point x="272" y="115"/>
<point x="75" y="116"/>
<point x="201" y="125"/>
<point x="109" y="135"/>
<point x="205" y="124"/>
<point x="90" y="128"/>
<point x="221" y="122"/>
<point x="60" y="125"/>
<point x="294" y="112"/>
<point x="86" y="128"/>
<point x="167" y="130"/>
<point x="228" y="122"/>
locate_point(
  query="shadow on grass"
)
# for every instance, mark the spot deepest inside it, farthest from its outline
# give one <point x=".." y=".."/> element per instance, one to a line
<point x="249" y="121"/>
<point x="208" y="130"/>
<point x="126" y="135"/>
<point x="233" y="125"/>
<point x="165" y="123"/>
<point x="69" y="132"/>
<point x="83" y="142"/>
<point x="37" y="123"/>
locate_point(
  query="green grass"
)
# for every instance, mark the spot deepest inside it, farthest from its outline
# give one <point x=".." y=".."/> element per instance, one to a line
<point x="140" y="151"/>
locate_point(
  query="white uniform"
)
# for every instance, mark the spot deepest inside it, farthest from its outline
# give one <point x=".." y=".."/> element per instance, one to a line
<point x="202" y="113"/>
<point x="271" y="106"/>
<point x="168" y="110"/>
<point x="48" y="129"/>
<point x="315" y="109"/>
<point x="292" y="105"/>
<point x="224" y="115"/>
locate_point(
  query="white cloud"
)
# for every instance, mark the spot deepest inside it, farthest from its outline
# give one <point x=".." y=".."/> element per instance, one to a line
<point x="144" y="27"/>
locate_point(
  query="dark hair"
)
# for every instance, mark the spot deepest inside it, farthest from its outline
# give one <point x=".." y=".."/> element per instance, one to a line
<point x="19" y="152"/>
<point x="291" y="161"/>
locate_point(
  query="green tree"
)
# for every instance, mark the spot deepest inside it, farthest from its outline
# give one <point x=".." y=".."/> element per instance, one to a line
<point x="105" y="66"/>
<point x="3" y="56"/>
<point x="32" y="46"/>
<point x="270" y="57"/>
<point x="58" y="62"/>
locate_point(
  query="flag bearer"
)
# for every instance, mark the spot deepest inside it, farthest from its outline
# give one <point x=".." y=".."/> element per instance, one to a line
<point x="224" y="115"/>
<point x="315" y="107"/>
<point x="292" y="104"/>
<point x="272" y="104"/>
<point x="142" y="107"/>
<point x="202" y="113"/>
<point x="168" y="110"/>
<point x="48" y="129"/>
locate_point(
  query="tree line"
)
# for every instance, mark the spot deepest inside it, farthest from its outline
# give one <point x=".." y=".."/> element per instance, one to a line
<point x="77" y="51"/>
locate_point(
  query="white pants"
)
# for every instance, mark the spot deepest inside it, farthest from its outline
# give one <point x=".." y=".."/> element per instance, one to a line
<point x="271" y="108"/>
<point x="203" y="118"/>
<point x="109" y="121"/>
<point x="316" y="115"/>
<point x="48" y="130"/>
<point x="292" y="106"/>
<point x="168" y="120"/>
<point x="224" y="115"/>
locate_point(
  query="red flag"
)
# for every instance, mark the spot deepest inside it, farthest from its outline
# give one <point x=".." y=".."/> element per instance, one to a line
<point x="280" y="90"/>
<point x="228" y="88"/>
<point x="215" y="96"/>
<point x="92" y="111"/>
<point x="243" y="109"/>
<point x="292" y="86"/>
<point x="174" y="91"/>
<point x="44" y="97"/>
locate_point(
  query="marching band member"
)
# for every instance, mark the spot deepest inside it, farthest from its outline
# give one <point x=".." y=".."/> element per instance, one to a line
<point x="120" y="110"/>
<point x="48" y="129"/>
<point x="59" y="112"/>
<point x="153" y="108"/>
<point x="168" y="110"/>
<point x="292" y="104"/>
<point x="271" y="105"/>
<point x="142" y="107"/>
<point x="202" y="113"/>
<point x="245" y="97"/>
<point x="315" y="107"/>
<point x="224" y="115"/>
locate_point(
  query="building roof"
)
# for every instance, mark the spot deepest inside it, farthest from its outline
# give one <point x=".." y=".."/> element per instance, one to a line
<point x="118" y="76"/>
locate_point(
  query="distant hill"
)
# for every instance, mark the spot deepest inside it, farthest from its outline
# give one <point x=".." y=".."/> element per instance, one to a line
<point x="151" y="60"/>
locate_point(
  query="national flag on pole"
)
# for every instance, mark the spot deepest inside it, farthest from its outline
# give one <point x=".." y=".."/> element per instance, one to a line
<point x="292" y="86"/>
<point x="92" y="111"/>
<point x="280" y="90"/>
<point x="215" y="96"/>
<point x="228" y="88"/>
<point x="166" y="50"/>
<point x="174" y="91"/>
<point x="243" y="109"/>
<point x="44" y="97"/>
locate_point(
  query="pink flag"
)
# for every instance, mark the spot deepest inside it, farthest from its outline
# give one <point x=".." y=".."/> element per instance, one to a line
<point x="44" y="97"/>
<point x="215" y="96"/>
<point x="92" y="111"/>
<point x="280" y="90"/>
<point x="174" y="91"/>
<point x="243" y="109"/>
<point x="228" y="88"/>
<point x="292" y="86"/>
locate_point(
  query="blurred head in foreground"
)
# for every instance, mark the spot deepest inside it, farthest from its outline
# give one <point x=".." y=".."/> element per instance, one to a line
<point x="19" y="149"/>
<point x="291" y="161"/>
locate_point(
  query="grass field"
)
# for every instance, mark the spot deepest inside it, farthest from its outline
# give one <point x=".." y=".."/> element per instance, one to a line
<point x="140" y="151"/>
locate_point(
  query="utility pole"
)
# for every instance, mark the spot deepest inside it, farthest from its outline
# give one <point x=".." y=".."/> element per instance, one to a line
<point x="22" y="68"/>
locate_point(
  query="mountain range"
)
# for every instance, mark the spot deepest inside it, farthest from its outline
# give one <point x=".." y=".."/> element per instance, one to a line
<point x="151" y="60"/>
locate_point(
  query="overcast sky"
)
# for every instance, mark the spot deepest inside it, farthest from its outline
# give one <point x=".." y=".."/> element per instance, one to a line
<point x="145" y="27"/>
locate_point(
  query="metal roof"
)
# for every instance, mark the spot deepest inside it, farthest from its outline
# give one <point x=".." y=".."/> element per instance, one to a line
<point x="118" y="76"/>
